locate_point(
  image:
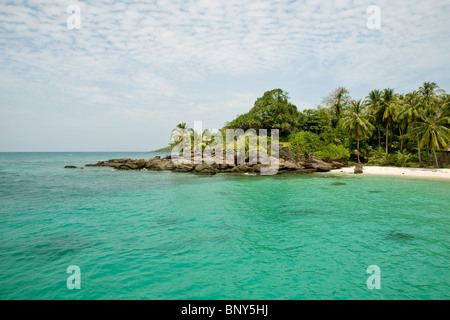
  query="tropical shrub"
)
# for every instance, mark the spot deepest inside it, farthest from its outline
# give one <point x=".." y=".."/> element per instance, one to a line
<point x="332" y="152"/>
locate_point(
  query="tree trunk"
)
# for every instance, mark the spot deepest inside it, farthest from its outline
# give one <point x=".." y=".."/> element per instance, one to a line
<point x="387" y="138"/>
<point x="401" y="139"/>
<point x="436" y="159"/>
<point x="379" y="136"/>
<point x="419" y="153"/>
<point x="357" y="147"/>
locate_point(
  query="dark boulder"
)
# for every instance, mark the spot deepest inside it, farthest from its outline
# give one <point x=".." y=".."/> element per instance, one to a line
<point x="244" y="168"/>
<point x="315" y="163"/>
<point x="184" y="168"/>
<point x="358" y="169"/>
<point x="289" y="165"/>
<point x="336" y="165"/>
<point x="286" y="153"/>
<point x="204" y="169"/>
<point x="70" y="167"/>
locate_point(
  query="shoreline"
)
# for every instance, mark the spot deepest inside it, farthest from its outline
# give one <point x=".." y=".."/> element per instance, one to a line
<point x="442" y="174"/>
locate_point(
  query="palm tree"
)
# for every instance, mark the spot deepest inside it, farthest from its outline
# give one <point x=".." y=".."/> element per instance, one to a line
<point x="432" y="130"/>
<point x="389" y="105"/>
<point x="409" y="111"/>
<point x="180" y="134"/>
<point x="355" y="122"/>
<point x="429" y="91"/>
<point x="337" y="101"/>
<point x="375" y="110"/>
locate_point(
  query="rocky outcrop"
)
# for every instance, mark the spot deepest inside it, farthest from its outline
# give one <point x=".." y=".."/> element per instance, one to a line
<point x="287" y="164"/>
<point x="336" y="165"/>
<point x="315" y="163"/>
<point x="285" y="153"/>
<point x="204" y="169"/>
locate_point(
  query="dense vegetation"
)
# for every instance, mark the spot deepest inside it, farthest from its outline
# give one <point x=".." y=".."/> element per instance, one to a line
<point x="386" y="128"/>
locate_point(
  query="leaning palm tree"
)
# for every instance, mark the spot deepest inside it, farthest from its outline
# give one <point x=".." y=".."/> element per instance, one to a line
<point x="432" y="130"/>
<point x="389" y="103"/>
<point x="374" y="105"/>
<point x="356" y="123"/>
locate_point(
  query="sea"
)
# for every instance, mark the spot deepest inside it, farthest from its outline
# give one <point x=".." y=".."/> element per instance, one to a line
<point x="99" y="233"/>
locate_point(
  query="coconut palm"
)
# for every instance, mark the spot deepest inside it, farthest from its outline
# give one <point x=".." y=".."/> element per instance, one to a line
<point x="429" y="91"/>
<point x="431" y="128"/>
<point x="409" y="112"/>
<point x="356" y="123"/>
<point x="374" y="105"/>
<point x="179" y="134"/>
<point x="389" y="105"/>
<point x="337" y="102"/>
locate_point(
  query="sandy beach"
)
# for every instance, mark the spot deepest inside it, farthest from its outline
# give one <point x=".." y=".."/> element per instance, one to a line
<point x="399" y="172"/>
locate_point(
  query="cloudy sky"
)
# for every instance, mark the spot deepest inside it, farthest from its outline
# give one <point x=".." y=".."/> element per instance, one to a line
<point x="135" y="69"/>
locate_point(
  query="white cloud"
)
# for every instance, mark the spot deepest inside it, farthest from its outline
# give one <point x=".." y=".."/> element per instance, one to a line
<point x="148" y="56"/>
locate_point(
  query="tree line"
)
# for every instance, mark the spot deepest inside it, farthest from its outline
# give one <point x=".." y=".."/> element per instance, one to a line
<point x="384" y="128"/>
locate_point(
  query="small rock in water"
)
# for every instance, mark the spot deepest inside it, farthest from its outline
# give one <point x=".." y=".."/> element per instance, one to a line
<point x="70" y="167"/>
<point x="399" y="236"/>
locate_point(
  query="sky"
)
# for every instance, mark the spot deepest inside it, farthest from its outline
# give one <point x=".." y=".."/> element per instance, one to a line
<point x="133" y="70"/>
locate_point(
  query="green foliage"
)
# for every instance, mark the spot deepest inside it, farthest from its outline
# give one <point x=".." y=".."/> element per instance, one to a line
<point x="303" y="143"/>
<point x="332" y="152"/>
<point x="355" y="121"/>
<point x="416" y="122"/>
<point x="337" y="101"/>
<point x="315" y="120"/>
<point x="381" y="158"/>
<point x="402" y="158"/>
<point x="271" y="111"/>
<point x="166" y="149"/>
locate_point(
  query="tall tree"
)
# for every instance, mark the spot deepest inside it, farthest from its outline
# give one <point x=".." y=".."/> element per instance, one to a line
<point x="271" y="111"/>
<point x="389" y="105"/>
<point x="429" y="92"/>
<point x="337" y="101"/>
<point x="180" y="133"/>
<point x="409" y="112"/>
<point x="374" y="102"/>
<point x="432" y="130"/>
<point x="356" y="123"/>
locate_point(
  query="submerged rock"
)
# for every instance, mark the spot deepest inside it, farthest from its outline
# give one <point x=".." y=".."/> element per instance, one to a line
<point x="399" y="236"/>
<point x="338" y="184"/>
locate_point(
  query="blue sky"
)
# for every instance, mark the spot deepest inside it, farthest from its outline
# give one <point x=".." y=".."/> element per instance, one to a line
<point x="135" y="69"/>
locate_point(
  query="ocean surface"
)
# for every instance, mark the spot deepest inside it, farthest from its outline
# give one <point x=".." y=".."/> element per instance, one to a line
<point x="163" y="235"/>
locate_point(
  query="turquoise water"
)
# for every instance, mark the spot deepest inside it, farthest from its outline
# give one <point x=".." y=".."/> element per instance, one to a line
<point x="163" y="235"/>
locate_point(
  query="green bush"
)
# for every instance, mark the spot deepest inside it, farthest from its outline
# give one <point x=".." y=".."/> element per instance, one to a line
<point x="332" y="152"/>
<point x="303" y="143"/>
<point x="402" y="158"/>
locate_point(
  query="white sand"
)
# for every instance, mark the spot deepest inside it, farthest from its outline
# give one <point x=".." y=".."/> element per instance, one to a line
<point x="399" y="172"/>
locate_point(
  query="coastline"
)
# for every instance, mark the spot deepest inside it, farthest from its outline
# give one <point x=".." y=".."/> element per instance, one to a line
<point x="443" y="174"/>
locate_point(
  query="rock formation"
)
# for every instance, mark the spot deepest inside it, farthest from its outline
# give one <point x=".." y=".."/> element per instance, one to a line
<point x="287" y="164"/>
